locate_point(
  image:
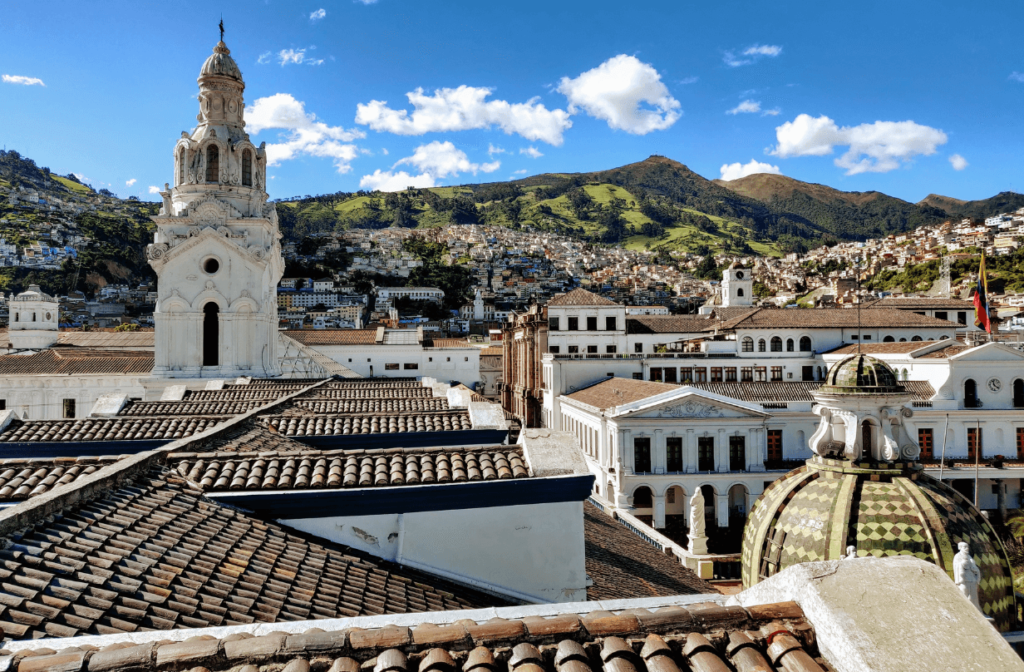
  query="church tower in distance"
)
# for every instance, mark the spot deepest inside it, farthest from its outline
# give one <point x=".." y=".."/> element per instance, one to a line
<point x="217" y="251"/>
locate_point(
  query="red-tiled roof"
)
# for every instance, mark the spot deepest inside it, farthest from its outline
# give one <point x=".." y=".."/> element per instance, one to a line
<point x="224" y="471"/>
<point x="617" y="391"/>
<point x="107" y="429"/>
<point x="443" y="421"/>
<point x="580" y="297"/>
<point x="492" y="351"/>
<point x="662" y="324"/>
<point x="949" y="349"/>
<point x="622" y="565"/>
<point x="334" y="336"/>
<point x="153" y="554"/>
<point x="832" y="318"/>
<point x="76" y="362"/>
<point x="447" y="343"/>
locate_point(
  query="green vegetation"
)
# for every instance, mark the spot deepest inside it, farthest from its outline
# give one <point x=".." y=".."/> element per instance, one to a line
<point x="74" y="186"/>
<point x="1005" y="274"/>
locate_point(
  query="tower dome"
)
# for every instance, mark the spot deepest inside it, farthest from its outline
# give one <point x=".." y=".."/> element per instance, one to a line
<point x="34" y="320"/>
<point x="860" y="374"/>
<point x="815" y="512"/>
<point x="220" y="63"/>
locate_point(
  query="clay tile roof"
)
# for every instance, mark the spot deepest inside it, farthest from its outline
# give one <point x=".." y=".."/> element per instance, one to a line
<point x="124" y="340"/>
<point x="580" y="297"/>
<point x="76" y="362"/>
<point x="622" y="565"/>
<point x="234" y="394"/>
<point x="831" y="318"/>
<point x="617" y="391"/>
<point x="334" y="336"/>
<point x="447" y="343"/>
<point x="370" y="393"/>
<point x="760" y="393"/>
<point x="312" y="469"/>
<point x="153" y="554"/>
<point x="189" y="407"/>
<point x="321" y="406"/>
<point x="923" y="304"/>
<point x="24" y="478"/>
<point x="897" y="348"/>
<point x="318" y="425"/>
<point x="492" y="351"/>
<point x="701" y="636"/>
<point x="661" y="324"/>
<point x="106" y="429"/>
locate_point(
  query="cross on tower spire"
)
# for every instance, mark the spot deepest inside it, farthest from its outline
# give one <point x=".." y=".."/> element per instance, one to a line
<point x="221" y="28"/>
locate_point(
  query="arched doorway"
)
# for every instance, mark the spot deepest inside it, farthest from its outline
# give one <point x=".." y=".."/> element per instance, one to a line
<point x="211" y="334"/>
<point x="643" y="500"/>
<point x="675" y="501"/>
<point x="866" y="439"/>
<point x="710" y="504"/>
<point x="971" y="394"/>
<point x="1018" y="393"/>
<point x="737" y="505"/>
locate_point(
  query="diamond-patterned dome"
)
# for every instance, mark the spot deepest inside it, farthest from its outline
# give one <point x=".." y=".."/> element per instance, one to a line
<point x="860" y="374"/>
<point x="815" y="512"/>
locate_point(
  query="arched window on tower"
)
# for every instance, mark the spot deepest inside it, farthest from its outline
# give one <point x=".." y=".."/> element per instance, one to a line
<point x="1018" y="393"/>
<point x="211" y="329"/>
<point x="212" y="164"/>
<point x="246" y="168"/>
<point x="181" y="167"/>
<point x="739" y="291"/>
<point x="867" y="441"/>
<point x="971" y="394"/>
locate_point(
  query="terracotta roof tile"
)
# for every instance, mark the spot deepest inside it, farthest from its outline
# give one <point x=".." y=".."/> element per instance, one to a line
<point x="580" y="297"/>
<point x="898" y="348"/>
<point x="702" y="637"/>
<point x="492" y="351"/>
<point x="443" y="421"/>
<point x="24" y="478"/>
<point x="662" y="324"/>
<point x="153" y="554"/>
<point x="76" y="362"/>
<point x="337" y="406"/>
<point x="217" y="472"/>
<point x="106" y="429"/>
<point x="622" y="565"/>
<point x="617" y="391"/>
<point x="923" y="304"/>
<point x="334" y="336"/>
<point x="447" y="343"/>
<point x="155" y="408"/>
<point x="831" y="318"/>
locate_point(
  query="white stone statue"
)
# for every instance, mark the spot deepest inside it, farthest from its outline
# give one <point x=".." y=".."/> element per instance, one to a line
<point x="851" y="553"/>
<point x="698" y="539"/>
<point x="967" y="574"/>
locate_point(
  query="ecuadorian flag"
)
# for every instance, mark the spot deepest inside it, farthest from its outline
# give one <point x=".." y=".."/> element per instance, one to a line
<point x="981" y="317"/>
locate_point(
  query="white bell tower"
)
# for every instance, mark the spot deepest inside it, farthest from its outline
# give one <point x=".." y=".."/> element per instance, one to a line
<point x="33" y="320"/>
<point x="737" y="286"/>
<point x="216" y="251"/>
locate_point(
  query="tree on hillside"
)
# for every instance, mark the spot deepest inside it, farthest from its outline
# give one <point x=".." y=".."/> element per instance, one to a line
<point x="579" y="202"/>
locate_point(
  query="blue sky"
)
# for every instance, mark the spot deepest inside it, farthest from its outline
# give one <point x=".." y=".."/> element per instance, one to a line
<point x="907" y="98"/>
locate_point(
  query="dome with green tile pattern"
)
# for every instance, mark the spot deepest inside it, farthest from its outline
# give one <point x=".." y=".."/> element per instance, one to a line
<point x="860" y="374"/>
<point x="882" y="509"/>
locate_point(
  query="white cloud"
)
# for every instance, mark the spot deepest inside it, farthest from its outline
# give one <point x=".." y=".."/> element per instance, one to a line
<point x="958" y="162"/>
<point x="615" y="90"/>
<point x="385" y="180"/>
<point x="367" y="2"/>
<point x="524" y="171"/>
<point x="296" y="56"/>
<point x="734" y="171"/>
<point x="492" y="150"/>
<point x="462" y="109"/>
<point x="877" y="148"/>
<point x="384" y="151"/>
<point x="441" y="159"/>
<point x="82" y="178"/>
<point x="265" y="57"/>
<point x="303" y="133"/>
<point x="1016" y="76"/>
<point x="531" y="152"/>
<point x="746" y="107"/>
<point x="154" y="190"/>
<point x="318" y="14"/>
<point x="774" y="112"/>
<point x="689" y="80"/>
<point x="21" y="79"/>
<point x="434" y="161"/>
<point x="751" y="54"/>
<point x="131" y="182"/>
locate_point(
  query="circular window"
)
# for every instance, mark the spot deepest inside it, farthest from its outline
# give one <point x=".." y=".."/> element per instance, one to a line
<point x="49" y="317"/>
<point x="739" y="275"/>
<point x="211" y="266"/>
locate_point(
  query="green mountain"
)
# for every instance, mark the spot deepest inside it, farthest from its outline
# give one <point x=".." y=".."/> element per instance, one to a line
<point x="1006" y="201"/>
<point x="109" y="234"/>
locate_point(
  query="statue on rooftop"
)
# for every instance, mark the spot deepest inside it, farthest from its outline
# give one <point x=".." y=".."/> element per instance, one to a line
<point x="967" y="574"/>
